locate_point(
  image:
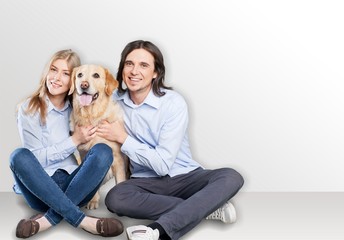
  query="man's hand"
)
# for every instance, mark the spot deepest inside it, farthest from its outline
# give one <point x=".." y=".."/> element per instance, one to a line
<point x="112" y="131"/>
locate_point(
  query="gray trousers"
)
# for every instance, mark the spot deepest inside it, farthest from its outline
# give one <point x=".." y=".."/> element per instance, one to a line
<point x="177" y="203"/>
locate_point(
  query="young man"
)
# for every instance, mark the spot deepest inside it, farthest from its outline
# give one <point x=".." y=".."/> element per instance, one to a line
<point x="166" y="184"/>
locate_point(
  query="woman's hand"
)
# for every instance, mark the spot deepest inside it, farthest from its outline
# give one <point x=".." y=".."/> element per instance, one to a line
<point x="112" y="131"/>
<point x="83" y="134"/>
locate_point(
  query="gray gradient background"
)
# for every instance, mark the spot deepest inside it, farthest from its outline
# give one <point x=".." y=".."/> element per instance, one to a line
<point x="263" y="79"/>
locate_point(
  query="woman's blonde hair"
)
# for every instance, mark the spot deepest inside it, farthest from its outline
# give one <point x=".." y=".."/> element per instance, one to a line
<point x="37" y="101"/>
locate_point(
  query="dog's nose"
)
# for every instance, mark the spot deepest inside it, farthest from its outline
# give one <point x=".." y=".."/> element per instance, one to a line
<point x="84" y="85"/>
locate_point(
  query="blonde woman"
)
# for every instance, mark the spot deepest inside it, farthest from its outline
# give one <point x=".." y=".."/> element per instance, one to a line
<point x="45" y="170"/>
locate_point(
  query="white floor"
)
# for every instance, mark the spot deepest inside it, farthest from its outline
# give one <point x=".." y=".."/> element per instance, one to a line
<point x="260" y="216"/>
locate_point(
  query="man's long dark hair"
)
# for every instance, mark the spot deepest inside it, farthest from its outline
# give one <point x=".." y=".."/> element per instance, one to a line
<point x="159" y="67"/>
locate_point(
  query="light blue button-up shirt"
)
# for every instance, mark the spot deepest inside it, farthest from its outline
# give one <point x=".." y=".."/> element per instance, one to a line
<point x="50" y="143"/>
<point x="158" y="143"/>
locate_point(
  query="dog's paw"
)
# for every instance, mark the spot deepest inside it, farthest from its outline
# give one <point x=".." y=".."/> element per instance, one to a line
<point x="92" y="205"/>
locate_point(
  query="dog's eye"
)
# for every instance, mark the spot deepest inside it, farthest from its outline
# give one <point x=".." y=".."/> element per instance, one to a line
<point x="96" y="75"/>
<point x="80" y="75"/>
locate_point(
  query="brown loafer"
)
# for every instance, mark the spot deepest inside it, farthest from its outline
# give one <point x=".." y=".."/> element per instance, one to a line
<point x="27" y="228"/>
<point x="108" y="227"/>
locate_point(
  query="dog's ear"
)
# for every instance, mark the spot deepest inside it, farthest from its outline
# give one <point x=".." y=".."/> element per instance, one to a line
<point x="72" y="79"/>
<point x="111" y="83"/>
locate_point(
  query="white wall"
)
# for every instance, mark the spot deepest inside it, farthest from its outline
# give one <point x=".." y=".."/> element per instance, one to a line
<point x="263" y="79"/>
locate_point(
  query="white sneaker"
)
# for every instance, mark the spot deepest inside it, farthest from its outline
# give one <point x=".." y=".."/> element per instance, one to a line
<point x="142" y="232"/>
<point x="226" y="213"/>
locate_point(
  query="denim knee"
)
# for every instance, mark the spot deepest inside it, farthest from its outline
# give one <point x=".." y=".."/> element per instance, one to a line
<point x="17" y="156"/>
<point x="102" y="152"/>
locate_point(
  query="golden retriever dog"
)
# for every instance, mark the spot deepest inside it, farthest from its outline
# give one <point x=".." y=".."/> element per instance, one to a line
<point x="92" y="87"/>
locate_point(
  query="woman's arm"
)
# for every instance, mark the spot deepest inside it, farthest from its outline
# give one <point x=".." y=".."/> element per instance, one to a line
<point x="53" y="144"/>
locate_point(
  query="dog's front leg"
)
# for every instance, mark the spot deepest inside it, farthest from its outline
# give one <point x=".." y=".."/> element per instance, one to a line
<point x="94" y="203"/>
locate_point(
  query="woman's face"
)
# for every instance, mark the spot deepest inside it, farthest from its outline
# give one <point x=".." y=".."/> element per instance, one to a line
<point x="58" y="78"/>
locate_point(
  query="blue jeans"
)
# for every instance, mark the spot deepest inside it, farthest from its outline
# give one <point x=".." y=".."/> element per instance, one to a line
<point x="61" y="195"/>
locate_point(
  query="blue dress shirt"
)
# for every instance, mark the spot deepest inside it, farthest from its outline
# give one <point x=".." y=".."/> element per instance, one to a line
<point x="158" y="143"/>
<point x="50" y="143"/>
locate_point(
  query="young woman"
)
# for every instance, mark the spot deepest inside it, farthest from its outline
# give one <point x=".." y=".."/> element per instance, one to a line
<point x="45" y="169"/>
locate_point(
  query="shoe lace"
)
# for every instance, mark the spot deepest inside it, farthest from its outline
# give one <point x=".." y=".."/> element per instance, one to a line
<point x="218" y="214"/>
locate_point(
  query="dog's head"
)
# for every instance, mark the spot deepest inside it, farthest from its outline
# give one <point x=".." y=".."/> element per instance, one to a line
<point x="90" y="82"/>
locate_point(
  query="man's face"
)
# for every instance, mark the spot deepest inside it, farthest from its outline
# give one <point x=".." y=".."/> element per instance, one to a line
<point x="138" y="71"/>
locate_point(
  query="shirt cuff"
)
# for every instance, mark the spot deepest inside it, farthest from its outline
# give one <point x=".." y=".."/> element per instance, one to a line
<point x="129" y="144"/>
<point x="69" y="145"/>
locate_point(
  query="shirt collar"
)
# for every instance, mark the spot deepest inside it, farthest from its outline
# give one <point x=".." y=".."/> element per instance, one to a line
<point x="150" y="100"/>
<point x="52" y="107"/>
